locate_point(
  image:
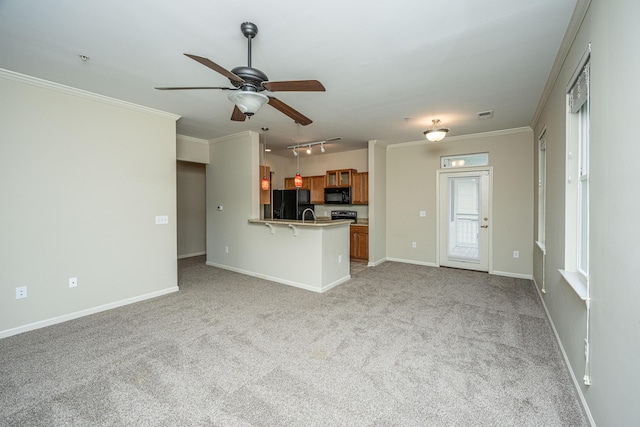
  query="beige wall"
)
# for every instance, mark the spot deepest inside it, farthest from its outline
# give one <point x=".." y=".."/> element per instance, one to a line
<point x="611" y="28"/>
<point x="190" y="149"/>
<point x="82" y="178"/>
<point x="411" y="188"/>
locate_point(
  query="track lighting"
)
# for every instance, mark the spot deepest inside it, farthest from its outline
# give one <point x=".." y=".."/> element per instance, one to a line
<point x="309" y="144"/>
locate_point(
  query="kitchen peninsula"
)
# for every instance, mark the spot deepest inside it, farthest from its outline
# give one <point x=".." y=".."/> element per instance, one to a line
<point x="312" y="255"/>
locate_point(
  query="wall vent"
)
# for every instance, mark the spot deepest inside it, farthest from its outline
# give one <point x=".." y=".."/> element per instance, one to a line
<point x="483" y="115"/>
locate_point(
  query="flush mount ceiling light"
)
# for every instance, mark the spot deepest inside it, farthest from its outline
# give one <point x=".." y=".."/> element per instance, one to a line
<point x="248" y="102"/>
<point x="435" y="134"/>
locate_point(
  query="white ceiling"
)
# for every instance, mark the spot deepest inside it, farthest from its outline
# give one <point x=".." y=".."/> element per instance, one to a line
<point x="389" y="67"/>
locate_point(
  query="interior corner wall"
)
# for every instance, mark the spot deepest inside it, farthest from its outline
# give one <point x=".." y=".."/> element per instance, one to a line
<point x="377" y="202"/>
<point x="411" y="188"/>
<point x="612" y="398"/>
<point x="232" y="199"/>
<point x="82" y="178"/>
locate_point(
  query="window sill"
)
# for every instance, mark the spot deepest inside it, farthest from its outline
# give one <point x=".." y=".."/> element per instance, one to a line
<point x="577" y="283"/>
<point x="542" y="247"/>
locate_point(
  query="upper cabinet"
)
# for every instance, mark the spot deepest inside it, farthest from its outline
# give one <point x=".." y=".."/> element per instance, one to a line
<point x="360" y="188"/>
<point x="359" y="183"/>
<point x="289" y="183"/>
<point x="339" y="178"/>
<point x="316" y="185"/>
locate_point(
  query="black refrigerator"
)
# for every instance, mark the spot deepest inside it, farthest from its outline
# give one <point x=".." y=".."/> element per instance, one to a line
<point x="289" y="204"/>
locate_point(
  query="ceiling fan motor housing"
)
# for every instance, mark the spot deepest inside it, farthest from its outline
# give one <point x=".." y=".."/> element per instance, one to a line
<point x="253" y="78"/>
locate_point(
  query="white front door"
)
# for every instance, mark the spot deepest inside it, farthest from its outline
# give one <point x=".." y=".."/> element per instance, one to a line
<point x="464" y="220"/>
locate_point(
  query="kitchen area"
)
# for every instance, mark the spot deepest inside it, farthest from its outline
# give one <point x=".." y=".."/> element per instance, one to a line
<point x="337" y="195"/>
<point x="302" y="238"/>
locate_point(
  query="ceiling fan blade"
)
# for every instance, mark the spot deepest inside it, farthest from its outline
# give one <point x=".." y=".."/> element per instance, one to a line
<point x="215" y="67"/>
<point x="195" y="87"/>
<point x="287" y="110"/>
<point x="294" y="86"/>
<point x="237" y="115"/>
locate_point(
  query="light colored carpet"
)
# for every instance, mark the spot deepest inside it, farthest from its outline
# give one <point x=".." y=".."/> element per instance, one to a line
<point x="398" y="344"/>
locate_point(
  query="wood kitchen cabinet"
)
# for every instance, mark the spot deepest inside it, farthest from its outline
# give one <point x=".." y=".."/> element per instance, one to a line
<point x="316" y="185"/>
<point x="289" y="183"/>
<point x="360" y="188"/>
<point x="359" y="242"/>
<point x="339" y="178"/>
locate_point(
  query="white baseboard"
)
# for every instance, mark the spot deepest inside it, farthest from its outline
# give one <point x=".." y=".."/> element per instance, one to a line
<point x="280" y="280"/>
<point x="576" y="383"/>
<point x="514" y="275"/>
<point x="65" y="317"/>
<point x="192" y="255"/>
<point x="410" y="261"/>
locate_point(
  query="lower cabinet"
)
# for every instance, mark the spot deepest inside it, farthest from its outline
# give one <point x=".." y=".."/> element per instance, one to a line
<point x="360" y="242"/>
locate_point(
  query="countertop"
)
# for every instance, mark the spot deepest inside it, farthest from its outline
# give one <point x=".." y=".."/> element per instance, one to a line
<point x="299" y="223"/>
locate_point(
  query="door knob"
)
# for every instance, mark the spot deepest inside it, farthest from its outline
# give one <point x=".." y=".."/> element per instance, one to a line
<point x="484" y="226"/>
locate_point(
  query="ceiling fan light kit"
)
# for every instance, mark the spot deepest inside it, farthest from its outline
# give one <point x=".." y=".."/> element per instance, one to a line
<point x="248" y="102"/>
<point x="435" y="134"/>
<point x="248" y="82"/>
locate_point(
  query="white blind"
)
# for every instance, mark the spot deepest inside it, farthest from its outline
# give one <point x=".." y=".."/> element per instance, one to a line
<point x="579" y="87"/>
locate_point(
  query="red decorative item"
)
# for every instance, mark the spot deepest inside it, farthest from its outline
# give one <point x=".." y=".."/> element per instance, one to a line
<point x="264" y="184"/>
<point x="298" y="180"/>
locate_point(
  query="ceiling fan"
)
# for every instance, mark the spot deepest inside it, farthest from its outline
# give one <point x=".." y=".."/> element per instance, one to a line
<point x="249" y="82"/>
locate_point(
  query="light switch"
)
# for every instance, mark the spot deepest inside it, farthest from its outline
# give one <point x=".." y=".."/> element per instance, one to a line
<point x="162" y="219"/>
<point x="423" y="214"/>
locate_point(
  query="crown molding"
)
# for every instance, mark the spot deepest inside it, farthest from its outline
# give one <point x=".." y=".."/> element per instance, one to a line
<point x="57" y="87"/>
<point x="491" y="134"/>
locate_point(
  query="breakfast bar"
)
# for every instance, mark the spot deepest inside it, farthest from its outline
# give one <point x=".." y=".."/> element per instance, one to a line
<point x="312" y="255"/>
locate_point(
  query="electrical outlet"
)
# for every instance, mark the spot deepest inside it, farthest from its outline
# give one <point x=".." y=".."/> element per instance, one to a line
<point x="339" y="259"/>
<point x="423" y="214"/>
<point x="73" y="282"/>
<point x="21" y="292"/>
<point x="516" y="254"/>
<point x="413" y="244"/>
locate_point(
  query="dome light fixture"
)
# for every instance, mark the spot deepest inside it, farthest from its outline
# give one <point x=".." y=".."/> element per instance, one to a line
<point x="435" y="134"/>
<point x="247" y="101"/>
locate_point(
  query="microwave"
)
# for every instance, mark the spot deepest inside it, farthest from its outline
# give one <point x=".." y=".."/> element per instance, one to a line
<point x="337" y="196"/>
